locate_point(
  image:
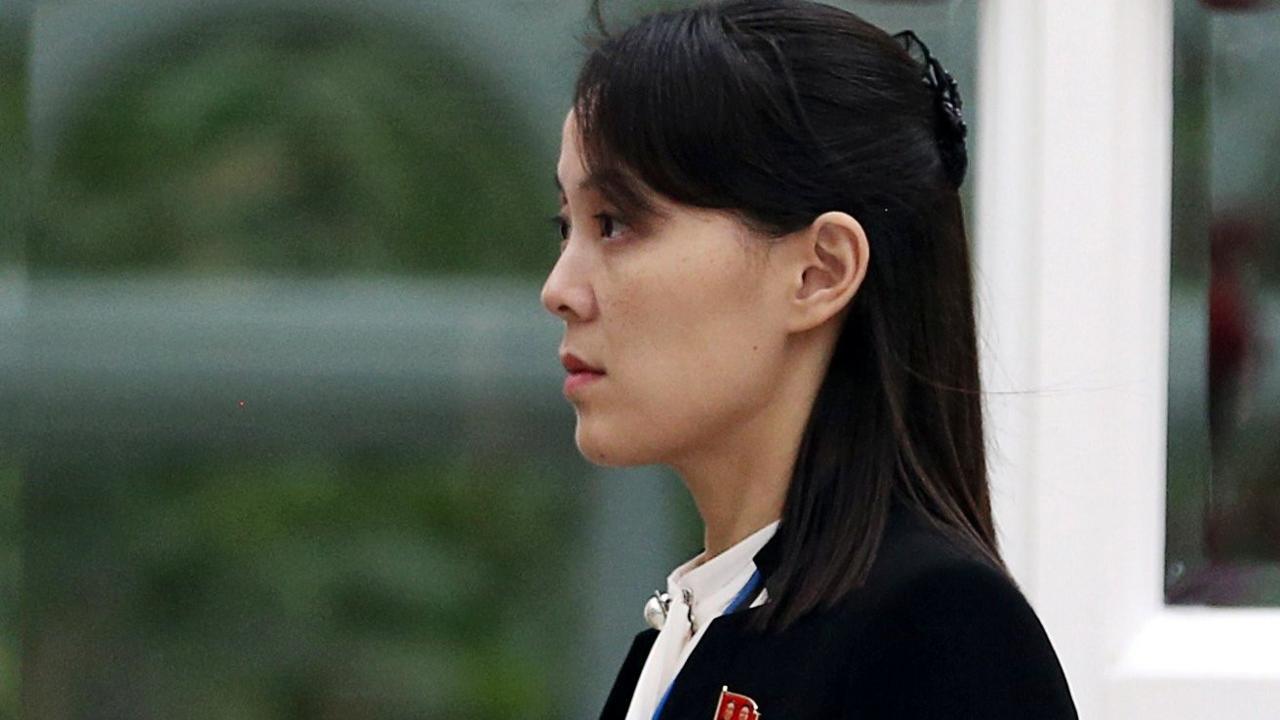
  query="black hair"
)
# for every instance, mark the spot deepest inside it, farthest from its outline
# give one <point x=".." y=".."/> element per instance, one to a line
<point x="777" y="111"/>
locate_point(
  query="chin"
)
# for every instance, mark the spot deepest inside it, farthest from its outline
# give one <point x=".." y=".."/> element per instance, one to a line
<point x="609" y="448"/>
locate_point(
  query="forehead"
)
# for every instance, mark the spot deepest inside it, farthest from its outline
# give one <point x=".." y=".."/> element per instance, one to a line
<point x="569" y="127"/>
<point x="569" y="167"/>
<point x="571" y="174"/>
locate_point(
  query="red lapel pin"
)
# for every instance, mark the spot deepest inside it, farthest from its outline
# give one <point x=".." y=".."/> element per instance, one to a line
<point x="733" y="706"/>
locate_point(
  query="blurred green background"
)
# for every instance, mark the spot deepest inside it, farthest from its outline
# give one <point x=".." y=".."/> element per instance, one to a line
<point x="14" y="215"/>
<point x="287" y="142"/>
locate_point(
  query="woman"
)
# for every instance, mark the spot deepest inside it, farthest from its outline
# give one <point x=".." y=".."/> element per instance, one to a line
<point x="765" y="285"/>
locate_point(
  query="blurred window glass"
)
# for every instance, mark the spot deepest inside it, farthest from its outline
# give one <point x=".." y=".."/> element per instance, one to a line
<point x="1223" y="512"/>
<point x="14" y="195"/>
<point x="298" y="445"/>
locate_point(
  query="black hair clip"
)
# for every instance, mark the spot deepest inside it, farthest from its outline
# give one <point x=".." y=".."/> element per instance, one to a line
<point x="949" y="105"/>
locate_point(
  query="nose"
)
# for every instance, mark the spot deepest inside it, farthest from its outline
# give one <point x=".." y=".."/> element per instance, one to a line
<point x="567" y="293"/>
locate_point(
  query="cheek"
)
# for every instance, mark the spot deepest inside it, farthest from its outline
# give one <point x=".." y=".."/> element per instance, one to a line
<point x="698" y="354"/>
<point x="690" y="349"/>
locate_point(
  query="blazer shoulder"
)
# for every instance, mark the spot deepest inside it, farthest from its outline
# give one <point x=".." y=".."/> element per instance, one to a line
<point x="911" y="548"/>
<point x="953" y="636"/>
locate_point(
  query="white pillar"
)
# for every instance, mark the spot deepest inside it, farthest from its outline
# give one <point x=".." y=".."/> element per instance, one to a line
<point x="1072" y="239"/>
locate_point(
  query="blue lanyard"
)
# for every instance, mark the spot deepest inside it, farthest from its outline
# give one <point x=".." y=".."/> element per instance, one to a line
<point x="743" y="595"/>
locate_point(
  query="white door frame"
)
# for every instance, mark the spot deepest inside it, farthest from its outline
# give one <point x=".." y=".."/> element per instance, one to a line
<point x="1072" y="230"/>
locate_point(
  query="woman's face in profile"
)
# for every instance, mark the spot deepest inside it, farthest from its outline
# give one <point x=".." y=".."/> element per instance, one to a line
<point x="682" y="318"/>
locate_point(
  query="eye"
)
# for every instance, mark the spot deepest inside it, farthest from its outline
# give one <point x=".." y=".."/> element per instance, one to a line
<point x="609" y="225"/>
<point x="561" y="225"/>
<point x="608" y="222"/>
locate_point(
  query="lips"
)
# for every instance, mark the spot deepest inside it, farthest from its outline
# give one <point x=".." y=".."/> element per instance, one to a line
<point x="575" y="364"/>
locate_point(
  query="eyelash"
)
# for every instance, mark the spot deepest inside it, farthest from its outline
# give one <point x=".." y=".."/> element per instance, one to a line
<point x="560" y="224"/>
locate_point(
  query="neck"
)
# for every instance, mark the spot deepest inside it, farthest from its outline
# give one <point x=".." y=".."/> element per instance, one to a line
<point x="742" y="487"/>
<point x="739" y="479"/>
<point x="729" y="531"/>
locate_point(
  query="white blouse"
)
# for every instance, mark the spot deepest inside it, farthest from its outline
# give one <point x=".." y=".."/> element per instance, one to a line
<point x="711" y="586"/>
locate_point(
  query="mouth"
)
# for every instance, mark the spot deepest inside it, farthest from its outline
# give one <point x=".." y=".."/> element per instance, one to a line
<point x="574" y="364"/>
<point x="576" y="381"/>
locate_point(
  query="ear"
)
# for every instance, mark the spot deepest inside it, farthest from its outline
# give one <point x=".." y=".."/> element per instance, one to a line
<point x="829" y="262"/>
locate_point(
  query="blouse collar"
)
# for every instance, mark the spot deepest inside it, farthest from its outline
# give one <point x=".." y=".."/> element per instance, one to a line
<point x="712" y="583"/>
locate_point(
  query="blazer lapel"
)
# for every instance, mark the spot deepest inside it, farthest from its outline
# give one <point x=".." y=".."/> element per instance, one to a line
<point x="624" y="686"/>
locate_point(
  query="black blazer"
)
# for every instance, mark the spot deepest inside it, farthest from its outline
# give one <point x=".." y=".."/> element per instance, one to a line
<point x="936" y="632"/>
